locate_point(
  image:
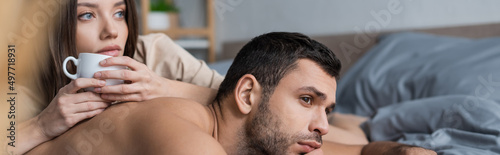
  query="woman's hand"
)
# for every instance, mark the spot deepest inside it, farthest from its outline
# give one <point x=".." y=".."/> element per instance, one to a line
<point x="66" y="109"/>
<point x="69" y="107"/>
<point x="144" y="84"/>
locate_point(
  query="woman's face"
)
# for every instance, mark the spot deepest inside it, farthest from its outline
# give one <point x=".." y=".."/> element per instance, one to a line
<point x="101" y="27"/>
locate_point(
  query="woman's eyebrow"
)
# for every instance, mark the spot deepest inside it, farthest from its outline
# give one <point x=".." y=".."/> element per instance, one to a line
<point x="119" y="3"/>
<point x="90" y="5"/>
<point x="95" y="5"/>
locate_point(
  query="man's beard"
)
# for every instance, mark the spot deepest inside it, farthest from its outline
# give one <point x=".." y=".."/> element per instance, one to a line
<point x="264" y="134"/>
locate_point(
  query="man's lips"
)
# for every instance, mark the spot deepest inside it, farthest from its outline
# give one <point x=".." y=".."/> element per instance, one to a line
<point x="112" y="50"/>
<point x="308" y="146"/>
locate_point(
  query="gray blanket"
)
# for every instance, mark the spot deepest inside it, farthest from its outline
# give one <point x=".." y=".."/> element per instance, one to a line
<point x="438" y="92"/>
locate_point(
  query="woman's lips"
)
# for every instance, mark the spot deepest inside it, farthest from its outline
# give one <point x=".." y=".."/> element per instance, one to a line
<point x="111" y="50"/>
<point x="113" y="53"/>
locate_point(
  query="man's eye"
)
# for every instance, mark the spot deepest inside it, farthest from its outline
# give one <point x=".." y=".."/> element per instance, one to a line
<point x="307" y="100"/>
<point x="330" y="109"/>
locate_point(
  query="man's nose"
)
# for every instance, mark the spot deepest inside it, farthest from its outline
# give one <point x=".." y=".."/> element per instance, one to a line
<point x="320" y="123"/>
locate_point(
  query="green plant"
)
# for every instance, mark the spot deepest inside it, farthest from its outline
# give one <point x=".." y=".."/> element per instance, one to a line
<point x="162" y="5"/>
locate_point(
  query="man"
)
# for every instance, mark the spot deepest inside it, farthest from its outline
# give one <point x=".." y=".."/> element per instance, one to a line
<point x="274" y="100"/>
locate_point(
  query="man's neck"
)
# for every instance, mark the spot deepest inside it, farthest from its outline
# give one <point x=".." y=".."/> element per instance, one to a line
<point x="215" y="132"/>
<point x="227" y="126"/>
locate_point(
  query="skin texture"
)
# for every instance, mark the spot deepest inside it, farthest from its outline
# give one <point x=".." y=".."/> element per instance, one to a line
<point x="179" y="126"/>
<point x="295" y="112"/>
<point x="174" y="126"/>
<point x="169" y="125"/>
<point x="92" y="137"/>
<point x="101" y="25"/>
<point x="158" y="126"/>
<point x="98" y="25"/>
<point x="108" y="18"/>
<point x="344" y="128"/>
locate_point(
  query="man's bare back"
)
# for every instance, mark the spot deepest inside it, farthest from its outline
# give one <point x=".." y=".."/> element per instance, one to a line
<point x="256" y="111"/>
<point x="163" y="125"/>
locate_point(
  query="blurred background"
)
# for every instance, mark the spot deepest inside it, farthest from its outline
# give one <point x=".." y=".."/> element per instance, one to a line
<point x="215" y="30"/>
<point x="237" y="21"/>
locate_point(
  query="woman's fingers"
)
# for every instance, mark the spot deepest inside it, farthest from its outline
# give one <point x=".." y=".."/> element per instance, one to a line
<point x="118" y="74"/>
<point x="119" y="89"/>
<point x="145" y="84"/>
<point x="84" y="115"/>
<point x="82" y="97"/>
<point x="69" y="107"/>
<point x="89" y="106"/>
<point x="123" y="97"/>
<point x="122" y="61"/>
<point x="81" y="83"/>
<point x="73" y="103"/>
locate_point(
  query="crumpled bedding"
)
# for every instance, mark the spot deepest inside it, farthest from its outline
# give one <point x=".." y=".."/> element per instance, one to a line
<point x="438" y="92"/>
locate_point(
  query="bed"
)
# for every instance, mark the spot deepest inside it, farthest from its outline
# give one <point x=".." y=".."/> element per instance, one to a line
<point x="434" y="88"/>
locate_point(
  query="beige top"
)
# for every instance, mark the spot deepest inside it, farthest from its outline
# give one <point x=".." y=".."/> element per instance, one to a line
<point x="171" y="61"/>
<point x="158" y="52"/>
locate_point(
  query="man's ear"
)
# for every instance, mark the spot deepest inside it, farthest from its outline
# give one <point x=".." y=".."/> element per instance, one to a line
<point x="247" y="93"/>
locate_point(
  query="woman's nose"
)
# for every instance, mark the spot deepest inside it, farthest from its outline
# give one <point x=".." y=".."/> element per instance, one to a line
<point x="108" y="29"/>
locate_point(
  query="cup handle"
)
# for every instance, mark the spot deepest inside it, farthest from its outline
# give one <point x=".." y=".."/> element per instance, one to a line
<point x="71" y="76"/>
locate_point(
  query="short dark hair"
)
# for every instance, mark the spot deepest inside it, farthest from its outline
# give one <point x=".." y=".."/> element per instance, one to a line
<point x="269" y="57"/>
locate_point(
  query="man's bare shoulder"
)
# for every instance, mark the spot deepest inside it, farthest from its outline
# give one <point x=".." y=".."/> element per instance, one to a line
<point x="177" y="126"/>
<point x="173" y="109"/>
<point x="162" y="125"/>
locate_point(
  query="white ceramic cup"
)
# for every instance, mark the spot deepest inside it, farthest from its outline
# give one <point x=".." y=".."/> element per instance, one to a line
<point x="87" y="64"/>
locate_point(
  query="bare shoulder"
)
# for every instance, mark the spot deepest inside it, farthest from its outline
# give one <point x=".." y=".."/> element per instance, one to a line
<point x="158" y="126"/>
<point x="163" y="108"/>
<point x="175" y="126"/>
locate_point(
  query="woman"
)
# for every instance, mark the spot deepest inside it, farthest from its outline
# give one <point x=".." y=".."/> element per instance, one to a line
<point x="109" y="27"/>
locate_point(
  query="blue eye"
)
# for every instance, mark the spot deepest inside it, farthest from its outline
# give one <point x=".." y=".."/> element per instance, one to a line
<point x="120" y="14"/>
<point x="85" y="16"/>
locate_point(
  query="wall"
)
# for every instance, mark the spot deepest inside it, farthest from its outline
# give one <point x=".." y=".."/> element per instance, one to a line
<point x="238" y="20"/>
<point x="249" y="18"/>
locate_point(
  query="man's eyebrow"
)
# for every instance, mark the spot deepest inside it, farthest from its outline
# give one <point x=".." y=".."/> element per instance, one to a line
<point x="90" y="5"/>
<point x="321" y="95"/>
